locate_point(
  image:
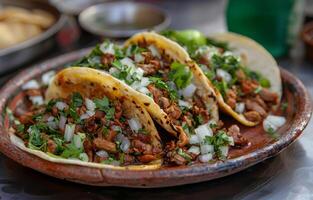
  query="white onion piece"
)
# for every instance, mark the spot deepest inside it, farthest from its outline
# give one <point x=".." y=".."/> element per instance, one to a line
<point x="273" y="122"/>
<point x="77" y="140"/>
<point x="194" y="149"/>
<point x="231" y="141"/>
<point x="139" y="72"/>
<point x="90" y="105"/>
<point x="52" y="124"/>
<point x="139" y="58"/>
<point x="206" y="157"/>
<point x="83" y="157"/>
<point x="206" y="148"/>
<point x="154" y="51"/>
<point x="202" y="131"/>
<point x="50" y="119"/>
<point x="189" y="91"/>
<point x="185" y="104"/>
<point x="125" y="144"/>
<point x="144" y="81"/>
<point x="62" y="122"/>
<point x="36" y="100"/>
<point x="102" y="154"/>
<point x="113" y="70"/>
<point x="119" y="137"/>
<point x="240" y="107"/>
<point x="107" y="48"/>
<point x="224" y="75"/>
<point x="224" y="150"/>
<point x="84" y="116"/>
<point x="69" y="132"/>
<point x="47" y="77"/>
<point x="194" y="139"/>
<point x="32" y="84"/>
<point x="90" y="113"/>
<point x="144" y="90"/>
<point x="134" y="124"/>
<point x="128" y="62"/>
<point x="60" y="105"/>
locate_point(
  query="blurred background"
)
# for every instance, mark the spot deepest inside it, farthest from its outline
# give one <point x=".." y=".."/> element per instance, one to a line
<point x="32" y="31"/>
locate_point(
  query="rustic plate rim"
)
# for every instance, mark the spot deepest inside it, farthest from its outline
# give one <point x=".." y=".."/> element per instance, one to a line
<point x="177" y="175"/>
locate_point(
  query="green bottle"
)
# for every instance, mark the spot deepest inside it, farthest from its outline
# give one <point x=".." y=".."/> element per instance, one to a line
<point x="266" y="21"/>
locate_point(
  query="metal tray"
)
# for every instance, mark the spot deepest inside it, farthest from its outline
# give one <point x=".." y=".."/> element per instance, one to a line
<point x="13" y="57"/>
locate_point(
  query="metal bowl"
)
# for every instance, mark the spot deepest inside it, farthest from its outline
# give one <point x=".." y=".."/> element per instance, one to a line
<point x="123" y="19"/>
<point x="13" y="57"/>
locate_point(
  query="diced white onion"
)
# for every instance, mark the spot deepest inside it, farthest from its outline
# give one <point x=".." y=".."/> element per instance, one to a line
<point x="154" y="51"/>
<point x="52" y="124"/>
<point x="231" y="141"/>
<point x="90" y="105"/>
<point x="125" y="144"/>
<point x="144" y="90"/>
<point x="185" y="104"/>
<point x="144" y="81"/>
<point x="224" y="75"/>
<point x="90" y="113"/>
<point x="206" y="157"/>
<point x="194" y="139"/>
<point x="128" y="62"/>
<point x="134" y="124"/>
<point x="102" y="154"/>
<point x="77" y="140"/>
<point x="60" y="105"/>
<point x="172" y="85"/>
<point x="139" y="58"/>
<point x="36" y="100"/>
<point x="62" y="122"/>
<point x="107" y="48"/>
<point x="84" y="116"/>
<point x="240" y="107"/>
<point x="47" y="77"/>
<point x="139" y="72"/>
<point x="194" y="149"/>
<point x="202" y="131"/>
<point x="136" y="85"/>
<point x="32" y="84"/>
<point x="206" y="148"/>
<point x="189" y="91"/>
<point x="69" y="132"/>
<point x="119" y="137"/>
<point x="50" y="119"/>
<point x="113" y="70"/>
<point x="273" y="122"/>
<point x="224" y="150"/>
<point x="83" y="157"/>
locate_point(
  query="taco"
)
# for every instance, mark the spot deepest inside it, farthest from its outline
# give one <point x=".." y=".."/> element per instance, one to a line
<point x="245" y="77"/>
<point x="172" y="88"/>
<point x="89" y="119"/>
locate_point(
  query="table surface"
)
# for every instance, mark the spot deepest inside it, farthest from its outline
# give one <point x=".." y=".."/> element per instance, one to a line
<point x="286" y="176"/>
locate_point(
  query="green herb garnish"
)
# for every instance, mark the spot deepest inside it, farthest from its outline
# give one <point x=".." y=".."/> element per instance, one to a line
<point x="180" y="74"/>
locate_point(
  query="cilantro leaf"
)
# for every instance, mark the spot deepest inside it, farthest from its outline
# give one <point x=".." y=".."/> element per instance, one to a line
<point x="102" y="104"/>
<point x="162" y="85"/>
<point x="180" y="74"/>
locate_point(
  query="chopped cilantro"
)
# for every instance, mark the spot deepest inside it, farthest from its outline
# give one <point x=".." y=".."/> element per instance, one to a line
<point x="105" y="131"/>
<point x="162" y="85"/>
<point x="36" y="141"/>
<point x="20" y="128"/>
<point x="218" y="140"/>
<point x="102" y="104"/>
<point x="110" y="113"/>
<point x="180" y="74"/>
<point x="143" y="131"/>
<point x="258" y="89"/>
<point x="265" y="82"/>
<point x="184" y="154"/>
<point x="50" y="104"/>
<point x="273" y="134"/>
<point x="71" y="151"/>
<point x="77" y="99"/>
<point x="284" y="106"/>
